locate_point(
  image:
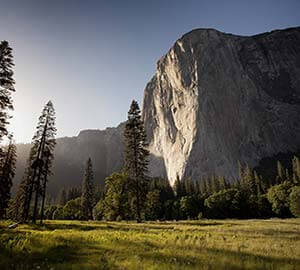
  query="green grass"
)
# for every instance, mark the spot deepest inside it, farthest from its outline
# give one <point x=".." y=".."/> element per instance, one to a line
<point x="209" y="244"/>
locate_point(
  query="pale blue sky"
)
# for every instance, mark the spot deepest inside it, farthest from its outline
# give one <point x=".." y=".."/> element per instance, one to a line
<point x="91" y="58"/>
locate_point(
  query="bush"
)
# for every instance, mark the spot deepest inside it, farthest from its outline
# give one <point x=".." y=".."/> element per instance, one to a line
<point x="278" y="196"/>
<point x="72" y="210"/>
<point x="295" y="201"/>
<point x="58" y="213"/>
<point x="224" y="204"/>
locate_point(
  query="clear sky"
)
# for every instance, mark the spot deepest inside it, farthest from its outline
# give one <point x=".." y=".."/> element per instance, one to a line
<point x="91" y="58"/>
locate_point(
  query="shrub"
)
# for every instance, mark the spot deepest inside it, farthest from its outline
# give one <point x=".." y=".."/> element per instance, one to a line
<point x="224" y="204"/>
<point x="278" y="196"/>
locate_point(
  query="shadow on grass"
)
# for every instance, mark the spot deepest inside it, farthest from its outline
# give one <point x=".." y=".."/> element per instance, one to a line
<point x="66" y="253"/>
<point x="63" y="253"/>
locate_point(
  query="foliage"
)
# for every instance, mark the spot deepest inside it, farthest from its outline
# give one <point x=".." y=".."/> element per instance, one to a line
<point x="72" y="210"/>
<point x="49" y="211"/>
<point x="98" y="211"/>
<point x="87" y="196"/>
<point x="224" y="204"/>
<point x="7" y="173"/>
<point x="278" y="196"/>
<point x="6" y="86"/>
<point x="295" y="201"/>
<point x="116" y="203"/>
<point x="136" y="159"/>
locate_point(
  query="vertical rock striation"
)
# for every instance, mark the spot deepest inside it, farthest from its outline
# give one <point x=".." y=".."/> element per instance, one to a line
<point x="217" y="99"/>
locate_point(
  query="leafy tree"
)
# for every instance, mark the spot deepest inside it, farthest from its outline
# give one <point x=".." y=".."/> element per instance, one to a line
<point x="73" y="210"/>
<point x="278" y="196"/>
<point x="7" y="173"/>
<point x="6" y="85"/>
<point x="87" y="197"/>
<point x="136" y="158"/>
<point x="190" y="206"/>
<point x="116" y="202"/>
<point x="99" y="210"/>
<point x="49" y="211"/>
<point x="294" y="199"/>
<point x="224" y="204"/>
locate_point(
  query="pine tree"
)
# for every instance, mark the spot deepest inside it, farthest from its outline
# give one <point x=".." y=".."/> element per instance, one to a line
<point x="222" y="182"/>
<point x="62" y="197"/>
<point x="259" y="184"/>
<point x="40" y="160"/>
<point x="7" y="173"/>
<point x="136" y="157"/>
<point x="6" y="85"/>
<point x="296" y="170"/>
<point x="215" y="184"/>
<point x="44" y="141"/>
<point x="87" y="197"/>
<point x="21" y="204"/>
<point x="280" y="173"/>
<point x="179" y="188"/>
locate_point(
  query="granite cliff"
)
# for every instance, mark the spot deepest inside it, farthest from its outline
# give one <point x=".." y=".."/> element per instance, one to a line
<point x="217" y="99"/>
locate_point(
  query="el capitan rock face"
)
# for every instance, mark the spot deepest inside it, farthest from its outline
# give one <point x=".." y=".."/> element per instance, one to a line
<point x="217" y="99"/>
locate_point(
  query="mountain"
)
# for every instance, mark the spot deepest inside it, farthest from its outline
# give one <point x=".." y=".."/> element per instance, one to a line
<point x="217" y="99"/>
<point x="105" y="147"/>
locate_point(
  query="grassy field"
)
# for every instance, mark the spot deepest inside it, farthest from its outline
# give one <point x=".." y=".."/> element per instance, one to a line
<point x="209" y="244"/>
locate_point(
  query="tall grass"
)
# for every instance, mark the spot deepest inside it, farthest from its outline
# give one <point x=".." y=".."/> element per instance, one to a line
<point x="230" y="244"/>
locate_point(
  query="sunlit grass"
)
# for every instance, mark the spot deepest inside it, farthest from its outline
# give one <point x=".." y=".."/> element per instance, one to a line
<point x="208" y="244"/>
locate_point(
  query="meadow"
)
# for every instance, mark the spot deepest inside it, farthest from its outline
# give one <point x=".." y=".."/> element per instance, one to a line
<point x="206" y="244"/>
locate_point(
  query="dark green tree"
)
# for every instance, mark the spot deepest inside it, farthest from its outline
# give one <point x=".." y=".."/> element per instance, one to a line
<point x="21" y="203"/>
<point x="6" y="85"/>
<point x="44" y="142"/>
<point x="296" y="170"/>
<point x="153" y="205"/>
<point x="87" y="197"/>
<point x="136" y="158"/>
<point x="62" y="198"/>
<point x="294" y="199"/>
<point x="278" y="196"/>
<point x="7" y="173"/>
<point x="116" y="204"/>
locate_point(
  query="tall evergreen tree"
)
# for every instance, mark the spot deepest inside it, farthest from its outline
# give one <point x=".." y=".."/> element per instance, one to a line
<point x="87" y="197"/>
<point x="44" y="139"/>
<point x="62" y="199"/>
<point x="136" y="157"/>
<point x="296" y="170"/>
<point x="40" y="160"/>
<point x="7" y="173"/>
<point x="6" y="85"/>
<point x="21" y="201"/>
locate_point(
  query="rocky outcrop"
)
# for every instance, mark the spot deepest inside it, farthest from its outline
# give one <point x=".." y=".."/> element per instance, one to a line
<point x="217" y="99"/>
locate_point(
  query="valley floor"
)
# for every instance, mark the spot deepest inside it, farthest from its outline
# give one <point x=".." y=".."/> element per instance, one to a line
<point x="208" y="244"/>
